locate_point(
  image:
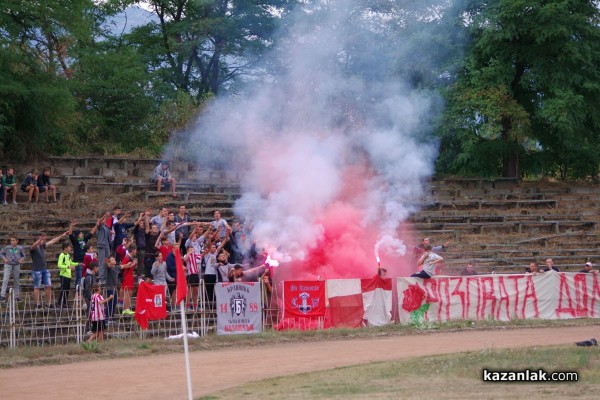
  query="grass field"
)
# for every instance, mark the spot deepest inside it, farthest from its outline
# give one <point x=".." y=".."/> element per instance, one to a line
<point x="455" y="376"/>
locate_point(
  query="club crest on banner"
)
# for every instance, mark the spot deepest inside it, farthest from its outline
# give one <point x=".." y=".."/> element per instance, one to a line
<point x="238" y="307"/>
<point x="304" y="303"/>
<point x="237" y="304"/>
<point x="158" y="300"/>
<point x="304" y="299"/>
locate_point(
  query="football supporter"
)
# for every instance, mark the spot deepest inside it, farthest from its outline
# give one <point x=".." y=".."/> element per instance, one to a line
<point x="193" y="261"/>
<point x="427" y="262"/>
<point x="128" y="265"/>
<point x="13" y="256"/>
<point x="97" y="315"/>
<point x="39" y="267"/>
<point x="45" y="186"/>
<point x="65" y="266"/>
<point x="162" y="177"/>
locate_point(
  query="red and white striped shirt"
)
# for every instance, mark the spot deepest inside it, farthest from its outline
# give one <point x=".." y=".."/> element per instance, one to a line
<point x="193" y="260"/>
<point x="96" y="307"/>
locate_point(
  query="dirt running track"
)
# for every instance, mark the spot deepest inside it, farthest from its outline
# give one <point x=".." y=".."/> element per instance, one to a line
<point x="163" y="376"/>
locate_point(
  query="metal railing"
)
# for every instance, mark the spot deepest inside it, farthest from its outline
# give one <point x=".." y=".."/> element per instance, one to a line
<point x="24" y="324"/>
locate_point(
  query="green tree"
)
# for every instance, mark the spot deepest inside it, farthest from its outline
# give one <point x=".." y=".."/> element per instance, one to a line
<point x="199" y="46"/>
<point x="115" y="100"/>
<point x="528" y="94"/>
<point x="37" y="111"/>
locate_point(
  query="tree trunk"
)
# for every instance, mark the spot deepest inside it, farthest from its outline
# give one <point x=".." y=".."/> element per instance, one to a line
<point x="510" y="159"/>
<point x="510" y="162"/>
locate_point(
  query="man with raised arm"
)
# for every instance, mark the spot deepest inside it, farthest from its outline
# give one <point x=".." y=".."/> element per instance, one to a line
<point x="79" y="240"/>
<point x="427" y="262"/>
<point x="39" y="267"/>
<point x="103" y="245"/>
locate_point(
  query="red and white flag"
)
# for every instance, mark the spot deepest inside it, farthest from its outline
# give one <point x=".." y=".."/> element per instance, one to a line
<point x="357" y="302"/>
<point x="150" y="304"/>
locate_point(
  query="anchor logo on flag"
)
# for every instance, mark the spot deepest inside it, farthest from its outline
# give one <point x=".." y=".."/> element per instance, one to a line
<point x="304" y="305"/>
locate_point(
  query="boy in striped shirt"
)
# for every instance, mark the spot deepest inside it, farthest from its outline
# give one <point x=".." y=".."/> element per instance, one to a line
<point x="97" y="314"/>
<point x="193" y="261"/>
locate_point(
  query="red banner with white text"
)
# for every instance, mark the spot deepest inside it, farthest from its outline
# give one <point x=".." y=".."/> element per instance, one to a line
<point x="550" y="295"/>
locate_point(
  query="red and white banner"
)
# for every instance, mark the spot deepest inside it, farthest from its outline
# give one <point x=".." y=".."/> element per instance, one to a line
<point x="358" y="302"/>
<point x="150" y="304"/>
<point x="550" y="295"/>
<point x="304" y="299"/>
<point x="238" y="308"/>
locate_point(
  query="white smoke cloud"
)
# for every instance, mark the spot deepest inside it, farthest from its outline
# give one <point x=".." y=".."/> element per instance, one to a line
<point x="336" y="128"/>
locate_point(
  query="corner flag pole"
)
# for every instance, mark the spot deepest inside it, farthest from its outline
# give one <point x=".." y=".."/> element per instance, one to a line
<point x="181" y="295"/>
<point x="186" y="349"/>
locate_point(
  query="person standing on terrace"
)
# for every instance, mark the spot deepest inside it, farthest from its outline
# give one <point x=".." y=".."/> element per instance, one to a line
<point x="182" y="219"/>
<point x="587" y="269"/>
<point x="98" y="313"/>
<point x="103" y="245"/>
<point x="152" y="235"/>
<point x="550" y="266"/>
<point x="420" y="249"/>
<point x="13" y="256"/>
<point x="79" y="240"/>
<point x="533" y="268"/>
<point x="39" y="267"/>
<point x="65" y="265"/>
<point x="139" y="235"/>
<point x="221" y="226"/>
<point x="469" y="270"/>
<point x="162" y="176"/>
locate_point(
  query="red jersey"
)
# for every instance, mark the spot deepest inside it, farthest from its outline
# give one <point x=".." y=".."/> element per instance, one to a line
<point x="87" y="260"/>
<point x="128" y="282"/>
<point x="121" y="253"/>
<point x="165" y="251"/>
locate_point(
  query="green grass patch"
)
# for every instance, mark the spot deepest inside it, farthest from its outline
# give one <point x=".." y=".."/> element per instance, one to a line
<point x="450" y="376"/>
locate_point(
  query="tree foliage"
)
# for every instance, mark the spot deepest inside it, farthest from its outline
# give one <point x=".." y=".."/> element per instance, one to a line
<point x="520" y="78"/>
<point x="201" y="46"/>
<point x="37" y="111"/>
<point x="528" y="91"/>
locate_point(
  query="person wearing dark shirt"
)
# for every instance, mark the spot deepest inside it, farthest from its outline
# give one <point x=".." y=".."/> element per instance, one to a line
<point x="139" y="235"/>
<point x="469" y="270"/>
<point x="45" y="186"/>
<point x="172" y="272"/>
<point x="79" y="240"/>
<point x="112" y="283"/>
<point x="152" y="234"/>
<point x="29" y="186"/>
<point x="120" y="228"/>
<point x="39" y="267"/>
